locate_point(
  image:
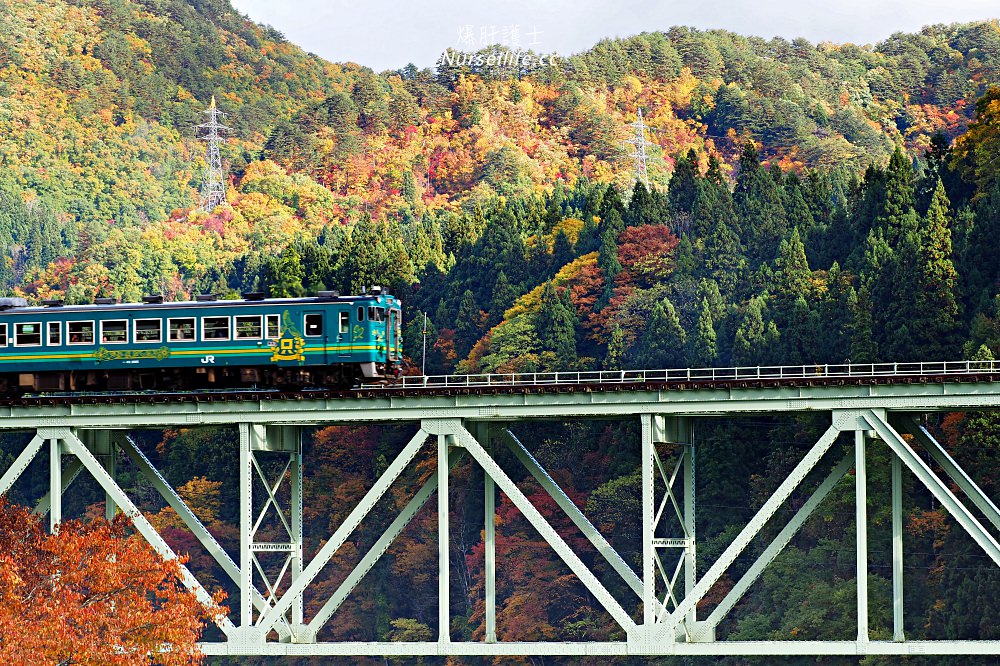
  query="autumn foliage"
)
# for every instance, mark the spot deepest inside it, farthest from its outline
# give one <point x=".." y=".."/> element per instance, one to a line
<point x="91" y="594"/>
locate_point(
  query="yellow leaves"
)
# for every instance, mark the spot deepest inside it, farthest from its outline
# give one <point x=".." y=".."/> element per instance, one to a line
<point x="632" y="84"/>
<point x="529" y="303"/>
<point x="202" y="497"/>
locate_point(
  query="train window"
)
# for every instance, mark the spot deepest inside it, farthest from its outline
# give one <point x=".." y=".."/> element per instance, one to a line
<point x="314" y="325"/>
<point x="361" y="313"/>
<point x="80" y="332"/>
<point x="248" y="327"/>
<point x="376" y="314"/>
<point x="215" y="328"/>
<point x="180" y="330"/>
<point x="3" y="335"/>
<point x="272" y="326"/>
<point x="345" y="322"/>
<point x="114" y="332"/>
<point x="148" y="330"/>
<point x="55" y="334"/>
<point x="28" y="335"/>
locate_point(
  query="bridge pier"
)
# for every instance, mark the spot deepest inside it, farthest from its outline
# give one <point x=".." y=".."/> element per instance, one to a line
<point x="258" y="444"/>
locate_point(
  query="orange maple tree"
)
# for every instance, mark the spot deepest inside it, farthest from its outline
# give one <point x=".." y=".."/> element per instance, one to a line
<point x="91" y="594"/>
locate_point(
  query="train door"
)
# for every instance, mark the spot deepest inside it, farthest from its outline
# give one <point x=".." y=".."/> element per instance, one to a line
<point x="392" y="335"/>
<point x="343" y="336"/>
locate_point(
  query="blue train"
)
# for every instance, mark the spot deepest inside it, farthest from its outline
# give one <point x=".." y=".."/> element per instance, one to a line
<point x="325" y="341"/>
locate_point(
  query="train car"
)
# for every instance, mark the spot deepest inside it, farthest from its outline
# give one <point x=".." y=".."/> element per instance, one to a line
<point x="324" y="341"/>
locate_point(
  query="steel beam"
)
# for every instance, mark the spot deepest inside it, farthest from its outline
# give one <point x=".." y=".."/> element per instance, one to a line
<point x="690" y="522"/>
<point x="951" y="395"/>
<point x="444" y="544"/>
<point x="749" y="532"/>
<point x="861" y="527"/>
<point x="142" y="525"/>
<point x="938" y="488"/>
<point x="295" y="500"/>
<point x="544" y="528"/>
<point x="482" y="433"/>
<point x="647" y="462"/>
<point x="573" y="512"/>
<point x="111" y="465"/>
<point x="897" y="548"/>
<point x="248" y="432"/>
<point x="600" y="651"/>
<point x="55" y="484"/>
<point x="99" y="443"/>
<point x="337" y="539"/>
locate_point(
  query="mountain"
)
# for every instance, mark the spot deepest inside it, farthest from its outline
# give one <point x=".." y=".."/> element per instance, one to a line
<point x="806" y="204"/>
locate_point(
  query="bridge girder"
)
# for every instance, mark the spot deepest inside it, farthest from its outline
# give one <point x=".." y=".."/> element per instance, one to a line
<point x="662" y="618"/>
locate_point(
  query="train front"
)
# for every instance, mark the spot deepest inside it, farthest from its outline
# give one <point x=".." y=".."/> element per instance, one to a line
<point x="384" y="336"/>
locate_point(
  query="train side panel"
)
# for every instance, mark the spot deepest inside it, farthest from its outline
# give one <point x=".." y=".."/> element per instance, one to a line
<point x="275" y="342"/>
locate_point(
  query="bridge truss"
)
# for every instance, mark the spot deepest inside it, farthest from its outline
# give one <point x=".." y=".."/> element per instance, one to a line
<point x="661" y="617"/>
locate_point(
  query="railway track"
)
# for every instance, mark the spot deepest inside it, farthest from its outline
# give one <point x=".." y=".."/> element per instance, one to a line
<point x="687" y="379"/>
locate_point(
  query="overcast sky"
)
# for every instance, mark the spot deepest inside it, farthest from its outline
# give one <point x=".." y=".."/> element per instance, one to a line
<point x="388" y="35"/>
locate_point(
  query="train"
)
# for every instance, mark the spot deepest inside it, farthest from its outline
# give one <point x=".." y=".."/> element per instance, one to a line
<point x="327" y="341"/>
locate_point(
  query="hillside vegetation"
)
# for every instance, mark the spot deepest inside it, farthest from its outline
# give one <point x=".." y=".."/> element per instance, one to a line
<point x="807" y="204"/>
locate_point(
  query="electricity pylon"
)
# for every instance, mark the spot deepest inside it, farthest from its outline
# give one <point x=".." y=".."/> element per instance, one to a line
<point x="213" y="183"/>
<point x="638" y="153"/>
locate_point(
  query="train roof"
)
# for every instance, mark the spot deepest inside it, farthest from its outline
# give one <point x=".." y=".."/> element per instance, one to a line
<point x="15" y="306"/>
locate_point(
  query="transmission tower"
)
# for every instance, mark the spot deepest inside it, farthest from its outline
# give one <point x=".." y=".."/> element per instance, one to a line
<point x="213" y="183"/>
<point x="638" y="153"/>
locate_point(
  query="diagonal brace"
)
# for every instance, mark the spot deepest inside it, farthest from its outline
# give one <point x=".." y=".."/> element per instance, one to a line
<point x="330" y="548"/>
<point x="272" y="500"/>
<point x="192" y="522"/>
<point x="544" y="528"/>
<point x="21" y="463"/>
<point x="751" y="530"/>
<point x="951" y="468"/>
<point x="780" y="541"/>
<point x="380" y="547"/>
<point x="574" y="513"/>
<point x="77" y="448"/>
<point x="938" y="488"/>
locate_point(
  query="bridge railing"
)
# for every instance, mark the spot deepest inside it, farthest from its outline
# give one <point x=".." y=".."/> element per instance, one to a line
<point x="745" y="373"/>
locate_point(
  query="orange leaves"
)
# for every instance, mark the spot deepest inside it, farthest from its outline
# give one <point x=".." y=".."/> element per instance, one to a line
<point x="91" y="595"/>
<point x="931" y="523"/>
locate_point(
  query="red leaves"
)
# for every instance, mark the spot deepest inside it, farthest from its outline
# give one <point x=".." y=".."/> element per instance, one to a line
<point x="646" y="254"/>
<point x="91" y="594"/>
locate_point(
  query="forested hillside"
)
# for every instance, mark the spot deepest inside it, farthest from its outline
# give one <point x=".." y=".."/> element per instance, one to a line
<point x="806" y="204"/>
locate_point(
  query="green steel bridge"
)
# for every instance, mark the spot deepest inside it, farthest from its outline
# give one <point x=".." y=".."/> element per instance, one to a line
<point x="473" y="417"/>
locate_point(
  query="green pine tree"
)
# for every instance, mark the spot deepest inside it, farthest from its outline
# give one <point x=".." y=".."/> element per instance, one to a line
<point x="288" y="279"/>
<point x="704" y="350"/>
<point x="793" y="274"/>
<point x="555" y="324"/>
<point x="663" y="343"/>
<point x="936" y="325"/>
<point x="683" y="184"/>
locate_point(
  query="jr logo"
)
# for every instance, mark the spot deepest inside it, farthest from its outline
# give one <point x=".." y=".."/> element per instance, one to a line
<point x="206" y="360"/>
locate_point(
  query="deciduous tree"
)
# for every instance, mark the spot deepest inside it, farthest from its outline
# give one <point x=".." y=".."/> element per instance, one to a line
<point x="91" y="594"/>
